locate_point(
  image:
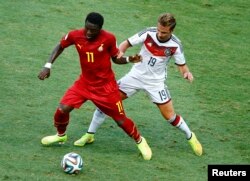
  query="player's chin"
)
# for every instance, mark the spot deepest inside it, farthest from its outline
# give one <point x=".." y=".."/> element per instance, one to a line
<point x="89" y="37"/>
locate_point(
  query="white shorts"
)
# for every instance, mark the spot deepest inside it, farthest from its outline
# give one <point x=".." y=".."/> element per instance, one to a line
<point x="158" y="92"/>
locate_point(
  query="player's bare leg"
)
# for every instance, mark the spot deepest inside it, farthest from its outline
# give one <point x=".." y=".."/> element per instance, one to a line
<point x="177" y="121"/>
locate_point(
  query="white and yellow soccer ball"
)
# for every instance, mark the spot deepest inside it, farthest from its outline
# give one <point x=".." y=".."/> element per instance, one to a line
<point x="72" y="163"/>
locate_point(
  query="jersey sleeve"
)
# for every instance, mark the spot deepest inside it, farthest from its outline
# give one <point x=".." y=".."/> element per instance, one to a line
<point x="179" y="55"/>
<point x="67" y="40"/>
<point x="113" y="47"/>
<point x="138" y="38"/>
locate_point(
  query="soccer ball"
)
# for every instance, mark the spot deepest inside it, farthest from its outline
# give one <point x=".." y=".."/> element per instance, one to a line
<point x="72" y="163"/>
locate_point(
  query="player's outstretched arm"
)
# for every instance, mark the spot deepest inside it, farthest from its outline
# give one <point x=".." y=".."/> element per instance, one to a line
<point x="124" y="46"/>
<point x="45" y="72"/>
<point x="124" y="60"/>
<point x="186" y="73"/>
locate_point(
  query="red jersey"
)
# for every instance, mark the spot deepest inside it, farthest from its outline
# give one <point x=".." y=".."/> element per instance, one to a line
<point x="94" y="55"/>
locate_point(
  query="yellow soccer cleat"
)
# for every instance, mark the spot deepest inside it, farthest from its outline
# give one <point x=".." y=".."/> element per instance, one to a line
<point x="85" y="139"/>
<point x="145" y="149"/>
<point x="195" y="144"/>
<point x="48" y="140"/>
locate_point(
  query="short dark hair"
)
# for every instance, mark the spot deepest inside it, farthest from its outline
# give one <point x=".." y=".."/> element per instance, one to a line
<point x="95" y="18"/>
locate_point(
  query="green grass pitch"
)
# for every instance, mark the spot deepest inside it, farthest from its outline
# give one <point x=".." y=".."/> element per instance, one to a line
<point x="215" y="36"/>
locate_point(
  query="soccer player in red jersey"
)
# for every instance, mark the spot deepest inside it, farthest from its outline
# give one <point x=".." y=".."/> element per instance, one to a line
<point x="96" y="83"/>
<point x="158" y="46"/>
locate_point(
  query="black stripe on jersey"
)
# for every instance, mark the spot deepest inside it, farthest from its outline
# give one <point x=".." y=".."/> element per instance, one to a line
<point x="177" y="41"/>
<point x="129" y="43"/>
<point x="180" y="64"/>
<point x="152" y="29"/>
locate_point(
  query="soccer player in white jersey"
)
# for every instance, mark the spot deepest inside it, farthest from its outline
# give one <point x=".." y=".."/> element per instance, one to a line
<point x="158" y="45"/>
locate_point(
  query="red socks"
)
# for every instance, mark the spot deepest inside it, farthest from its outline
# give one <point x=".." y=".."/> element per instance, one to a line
<point x="61" y="121"/>
<point x="176" y="120"/>
<point x="130" y="128"/>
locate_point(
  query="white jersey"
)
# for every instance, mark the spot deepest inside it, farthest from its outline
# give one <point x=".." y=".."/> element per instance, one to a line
<point x="155" y="55"/>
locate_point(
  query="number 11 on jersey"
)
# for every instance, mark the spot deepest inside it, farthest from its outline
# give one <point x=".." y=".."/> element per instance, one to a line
<point x="90" y="56"/>
<point x="119" y="106"/>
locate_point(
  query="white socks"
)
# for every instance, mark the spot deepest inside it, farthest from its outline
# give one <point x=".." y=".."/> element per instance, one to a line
<point x="179" y="123"/>
<point x="97" y="120"/>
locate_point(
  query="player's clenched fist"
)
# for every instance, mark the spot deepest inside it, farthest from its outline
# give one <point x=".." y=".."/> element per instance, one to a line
<point x="45" y="73"/>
